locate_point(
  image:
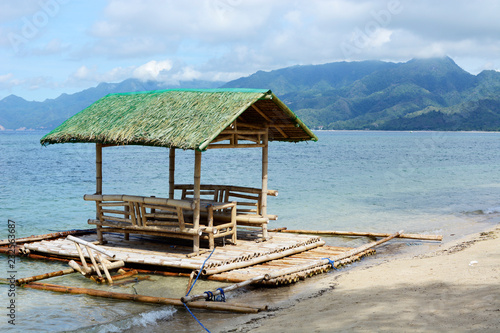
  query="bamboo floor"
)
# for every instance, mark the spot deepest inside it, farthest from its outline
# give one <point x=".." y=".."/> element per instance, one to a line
<point x="228" y="263"/>
<point x="155" y="251"/>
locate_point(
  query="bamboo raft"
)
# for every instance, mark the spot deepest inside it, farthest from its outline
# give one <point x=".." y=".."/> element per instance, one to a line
<point x="152" y="253"/>
<point x="235" y="263"/>
<point x="283" y="259"/>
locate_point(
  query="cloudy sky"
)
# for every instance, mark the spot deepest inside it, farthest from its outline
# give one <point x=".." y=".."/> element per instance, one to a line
<point x="49" y="47"/>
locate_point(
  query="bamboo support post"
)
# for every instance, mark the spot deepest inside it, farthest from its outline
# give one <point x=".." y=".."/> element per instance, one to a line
<point x="171" y="175"/>
<point x="216" y="306"/>
<point x="98" y="168"/>
<point x="367" y="234"/>
<point x="265" y="162"/>
<point x="197" y="186"/>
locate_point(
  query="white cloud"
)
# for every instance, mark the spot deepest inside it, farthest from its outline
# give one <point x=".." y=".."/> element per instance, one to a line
<point x="170" y="40"/>
<point x="152" y="70"/>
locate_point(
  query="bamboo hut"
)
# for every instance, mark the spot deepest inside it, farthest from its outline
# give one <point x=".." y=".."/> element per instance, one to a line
<point x="188" y="119"/>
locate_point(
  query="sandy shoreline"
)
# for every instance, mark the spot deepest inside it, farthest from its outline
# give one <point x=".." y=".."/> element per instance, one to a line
<point x="455" y="288"/>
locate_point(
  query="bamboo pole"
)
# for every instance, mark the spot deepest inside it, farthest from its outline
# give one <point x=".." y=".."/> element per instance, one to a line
<point x="261" y="259"/>
<point x="187" y="299"/>
<point x="265" y="162"/>
<point x="82" y="257"/>
<point x="125" y="275"/>
<point x="60" y="234"/>
<point x="217" y="306"/>
<point x="94" y="263"/>
<point x="367" y="234"/>
<point x="98" y="168"/>
<point x="90" y="269"/>
<point x="104" y="264"/>
<point x="171" y="175"/>
<point x="92" y="246"/>
<point x="78" y="268"/>
<point x="44" y="276"/>
<point x="325" y="261"/>
<point x="197" y="185"/>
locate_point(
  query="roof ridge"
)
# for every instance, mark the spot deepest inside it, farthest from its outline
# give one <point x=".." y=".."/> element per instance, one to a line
<point x="211" y="90"/>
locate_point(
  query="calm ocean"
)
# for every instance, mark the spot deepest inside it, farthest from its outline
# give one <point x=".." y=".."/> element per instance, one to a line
<point x="421" y="182"/>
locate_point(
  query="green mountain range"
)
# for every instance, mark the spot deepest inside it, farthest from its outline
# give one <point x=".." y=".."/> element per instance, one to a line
<point x="421" y="94"/>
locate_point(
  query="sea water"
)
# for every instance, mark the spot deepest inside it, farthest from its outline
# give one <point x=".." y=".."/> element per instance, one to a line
<point x="420" y="182"/>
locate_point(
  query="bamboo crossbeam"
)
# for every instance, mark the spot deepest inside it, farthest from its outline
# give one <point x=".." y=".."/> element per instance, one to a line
<point x="226" y="187"/>
<point x="150" y="229"/>
<point x="216" y="306"/>
<point x="186" y="204"/>
<point x="239" y="145"/>
<point x="263" y="115"/>
<point x="245" y="132"/>
<point x="367" y="234"/>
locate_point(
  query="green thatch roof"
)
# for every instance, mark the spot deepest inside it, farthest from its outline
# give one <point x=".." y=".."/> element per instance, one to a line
<point x="187" y="119"/>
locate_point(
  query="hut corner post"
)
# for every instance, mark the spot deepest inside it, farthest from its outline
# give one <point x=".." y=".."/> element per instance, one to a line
<point x="171" y="176"/>
<point x="98" y="186"/>
<point x="197" y="190"/>
<point x="265" y="157"/>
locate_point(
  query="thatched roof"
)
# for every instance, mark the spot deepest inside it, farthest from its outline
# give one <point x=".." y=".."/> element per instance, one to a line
<point x="187" y="119"/>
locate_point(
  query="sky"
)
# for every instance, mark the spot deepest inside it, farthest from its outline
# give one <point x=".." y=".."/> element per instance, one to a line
<point x="50" y="47"/>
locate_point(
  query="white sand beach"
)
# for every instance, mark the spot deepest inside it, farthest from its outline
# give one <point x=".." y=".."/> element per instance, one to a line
<point x="455" y="288"/>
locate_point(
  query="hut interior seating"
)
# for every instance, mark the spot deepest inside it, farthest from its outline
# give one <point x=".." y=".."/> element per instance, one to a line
<point x="248" y="202"/>
<point x="160" y="216"/>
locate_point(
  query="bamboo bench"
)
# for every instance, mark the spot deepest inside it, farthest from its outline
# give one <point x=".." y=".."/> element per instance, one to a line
<point x="248" y="202"/>
<point x="159" y="217"/>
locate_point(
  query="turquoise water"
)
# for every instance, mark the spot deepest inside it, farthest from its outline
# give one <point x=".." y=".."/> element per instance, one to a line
<point x="422" y="182"/>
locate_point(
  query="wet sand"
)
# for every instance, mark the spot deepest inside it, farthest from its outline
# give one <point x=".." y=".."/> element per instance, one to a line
<point x="454" y="288"/>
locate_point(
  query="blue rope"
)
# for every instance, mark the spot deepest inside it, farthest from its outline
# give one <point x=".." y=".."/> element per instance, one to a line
<point x="222" y="295"/>
<point x="332" y="262"/>
<point x="199" y="322"/>
<point x="197" y="276"/>
<point x="199" y="272"/>
<point x="210" y="296"/>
